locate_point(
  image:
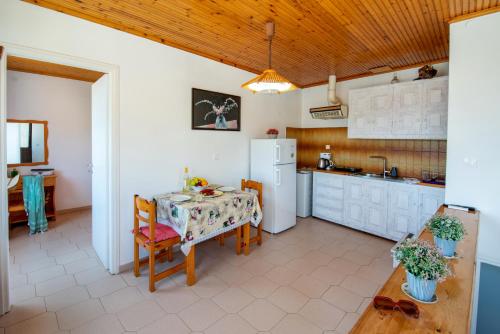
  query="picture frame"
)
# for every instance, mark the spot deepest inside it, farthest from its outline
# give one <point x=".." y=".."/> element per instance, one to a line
<point x="215" y="111"/>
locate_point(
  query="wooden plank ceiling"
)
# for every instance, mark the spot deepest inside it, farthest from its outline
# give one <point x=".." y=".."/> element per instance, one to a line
<point x="55" y="70"/>
<point x="314" y="38"/>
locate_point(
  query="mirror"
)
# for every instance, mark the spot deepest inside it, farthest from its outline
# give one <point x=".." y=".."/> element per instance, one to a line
<point x="27" y="143"/>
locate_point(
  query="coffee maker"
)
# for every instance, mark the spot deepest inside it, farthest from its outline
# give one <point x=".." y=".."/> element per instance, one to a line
<point x="325" y="161"/>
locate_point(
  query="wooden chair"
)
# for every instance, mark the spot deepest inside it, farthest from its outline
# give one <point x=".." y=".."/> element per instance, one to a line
<point x="246" y="185"/>
<point x="154" y="237"/>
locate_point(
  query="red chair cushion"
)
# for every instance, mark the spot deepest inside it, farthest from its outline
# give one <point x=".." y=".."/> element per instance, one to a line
<point x="162" y="232"/>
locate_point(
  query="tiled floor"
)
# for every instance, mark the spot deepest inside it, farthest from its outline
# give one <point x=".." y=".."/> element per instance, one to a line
<point x="316" y="278"/>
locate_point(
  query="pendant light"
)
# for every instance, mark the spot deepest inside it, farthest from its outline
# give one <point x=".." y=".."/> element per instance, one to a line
<point x="269" y="81"/>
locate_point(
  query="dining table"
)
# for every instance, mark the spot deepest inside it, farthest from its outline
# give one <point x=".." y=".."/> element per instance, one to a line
<point x="197" y="218"/>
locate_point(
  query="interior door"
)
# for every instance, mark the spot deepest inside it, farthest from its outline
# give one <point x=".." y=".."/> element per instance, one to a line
<point x="99" y="168"/>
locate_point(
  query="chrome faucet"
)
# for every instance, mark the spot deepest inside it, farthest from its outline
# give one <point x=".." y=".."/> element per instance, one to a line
<point x="384" y="159"/>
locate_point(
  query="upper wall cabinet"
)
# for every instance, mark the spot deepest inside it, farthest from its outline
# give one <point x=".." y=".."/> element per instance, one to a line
<point x="408" y="110"/>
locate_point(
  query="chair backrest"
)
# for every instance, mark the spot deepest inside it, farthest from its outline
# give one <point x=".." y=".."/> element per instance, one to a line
<point x="145" y="211"/>
<point x="253" y="185"/>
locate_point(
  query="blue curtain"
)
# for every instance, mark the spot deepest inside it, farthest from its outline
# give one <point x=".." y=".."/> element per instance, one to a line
<point x="34" y="203"/>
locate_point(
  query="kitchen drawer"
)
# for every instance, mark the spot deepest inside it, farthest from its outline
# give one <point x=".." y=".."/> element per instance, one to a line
<point x="328" y="213"/>
<point x="331" y="180"/>
<point x="337" y="204"/>
<point x="329" y="192"/>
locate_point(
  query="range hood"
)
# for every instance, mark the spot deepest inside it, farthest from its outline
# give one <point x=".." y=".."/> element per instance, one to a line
<point x="336" y="110"/>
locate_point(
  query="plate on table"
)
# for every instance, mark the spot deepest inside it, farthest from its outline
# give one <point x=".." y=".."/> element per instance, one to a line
<point x="226" y="189"/>
<point x="179" y="198"/>
<point x="211" y="194"/>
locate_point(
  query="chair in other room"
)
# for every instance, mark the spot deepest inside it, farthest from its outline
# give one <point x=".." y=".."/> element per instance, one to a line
<point x="154" y="237"/>
<point x="247" y="185"/>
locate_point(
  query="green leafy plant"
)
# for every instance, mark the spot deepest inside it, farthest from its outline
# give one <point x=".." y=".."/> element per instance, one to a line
<point x="446" y="227"/>
<point x="422" y="259"/>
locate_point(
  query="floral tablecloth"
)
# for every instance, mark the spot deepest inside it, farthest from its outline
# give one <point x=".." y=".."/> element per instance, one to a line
<point x="201" y="218"/>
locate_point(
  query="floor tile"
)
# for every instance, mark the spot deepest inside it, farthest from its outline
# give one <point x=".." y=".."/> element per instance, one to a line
<point x="22" y="311"/>
<point x="295" y="324"/>
<point x="169" y="322"/>
<point x="288" y="299"/>
<point x="175" y="298"/>
<point x="344" y="266"/>
<point x="140" y="315"/>
<point x="310" y="286"/>
<point x="81" y="265"/>
<point x="343" y="298"/>
<point x="302" y="266"/>
<point x="54" y="285"/>
<point x="347" y="323"/>
<point x="121" y="299"/>
<point x="364" y="305"/>
<point x="232" y="300"/>
<point x="231" y="324"/>
<point x="259" y="286"/>
<point x="234" y="276"/>
<point x="91" y="275"/>
<point x="277" y="258"/>
<point x="209" y="286"/>
<point x="262" y="314"/>
<point x="358" y="257"/>
<point x="202" y="314"/>
<point x="45" y="274"/>
<point x="108" y="324"/>
<point x="28" y="267"/>
<point x="45" y="323"/>
<point x="79" y="314"/>
<point x="106" y="286"/>
<point x="328" y="275"/>
<point x="70" y="257"/>
<point x="65" y="298"/>
<point x="282" y="275"/>
<point x="322" y="314"/>
<point x="22" y="293"/>
<point x="317" y="257"/>
<point x="258" y="267"/>
<point x="360" y="286"/>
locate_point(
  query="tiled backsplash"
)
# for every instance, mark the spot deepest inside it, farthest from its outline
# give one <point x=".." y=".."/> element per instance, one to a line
<point x="411" y="157"/>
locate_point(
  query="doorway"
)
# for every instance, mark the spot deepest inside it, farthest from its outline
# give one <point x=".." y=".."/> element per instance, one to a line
<point x="104" y="166"/>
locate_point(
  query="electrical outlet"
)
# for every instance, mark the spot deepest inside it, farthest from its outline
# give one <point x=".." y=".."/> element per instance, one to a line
<point x="327" y="147"/>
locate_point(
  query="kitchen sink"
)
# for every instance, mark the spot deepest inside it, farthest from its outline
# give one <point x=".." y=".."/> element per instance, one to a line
<point x="378" y="176"/>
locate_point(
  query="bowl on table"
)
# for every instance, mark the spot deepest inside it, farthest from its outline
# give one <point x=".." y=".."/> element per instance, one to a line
<point x="198" y="188"/>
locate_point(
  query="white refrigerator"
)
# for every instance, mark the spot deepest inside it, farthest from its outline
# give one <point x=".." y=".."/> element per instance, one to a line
<point x="273" y="162"/>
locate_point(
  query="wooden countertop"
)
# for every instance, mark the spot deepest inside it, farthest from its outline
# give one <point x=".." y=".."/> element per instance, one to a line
<point x="349" y="173"/>
<point x="452" y="313"/>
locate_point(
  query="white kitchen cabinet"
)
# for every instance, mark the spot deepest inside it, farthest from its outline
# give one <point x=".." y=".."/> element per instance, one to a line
<point x="403" y="210"/>
<point x="387" y="209"/>
<point x="375" y="208"/>
<point x="408" y="110"/>
<point x="430" y="199"/>
<point x="328" y="197"/>
<point x="435" y="108"/>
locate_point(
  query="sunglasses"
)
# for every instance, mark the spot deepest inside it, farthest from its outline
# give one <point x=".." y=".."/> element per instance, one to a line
<point x="405" y="306"/>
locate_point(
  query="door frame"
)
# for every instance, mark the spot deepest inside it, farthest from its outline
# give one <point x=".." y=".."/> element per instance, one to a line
<point x="113" y="153"/>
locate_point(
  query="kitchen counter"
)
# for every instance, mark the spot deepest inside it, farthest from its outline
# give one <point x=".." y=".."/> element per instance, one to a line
<point x="452" y="312"/>
<point x="381" y="179"/>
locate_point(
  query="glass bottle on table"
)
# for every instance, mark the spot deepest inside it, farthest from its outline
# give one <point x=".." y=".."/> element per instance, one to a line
<point x="185" y="180"/>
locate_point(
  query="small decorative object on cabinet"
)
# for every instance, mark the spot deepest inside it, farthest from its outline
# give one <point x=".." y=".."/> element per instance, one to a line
<point x="447" y="232"/>
<point x="425" y="267"/>
<point x="272" y="133"/>
<point x="215" y="111"/>
<point x="426" y="72"/>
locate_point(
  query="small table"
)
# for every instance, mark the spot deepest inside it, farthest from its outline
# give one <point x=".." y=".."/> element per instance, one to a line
<point x="202" y="218"/>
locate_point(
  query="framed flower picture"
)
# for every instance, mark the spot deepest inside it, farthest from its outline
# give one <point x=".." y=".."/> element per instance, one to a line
<point x="215" y="111"/>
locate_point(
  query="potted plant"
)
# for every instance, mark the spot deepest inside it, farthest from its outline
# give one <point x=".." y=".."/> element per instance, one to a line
<point x="447" y="231"/>
<point x="425" y="267"/>
<point x="272" y="133"/>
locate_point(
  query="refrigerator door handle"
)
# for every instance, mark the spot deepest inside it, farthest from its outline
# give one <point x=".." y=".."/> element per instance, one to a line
<point x="278" y="153"/>
<point x="278" y="177"/>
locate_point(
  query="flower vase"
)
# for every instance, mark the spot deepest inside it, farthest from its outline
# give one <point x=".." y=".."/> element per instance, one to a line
<point x="421" y="289"/>
<point x="447" y="247"/>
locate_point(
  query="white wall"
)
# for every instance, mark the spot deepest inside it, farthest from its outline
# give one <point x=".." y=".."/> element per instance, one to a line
<point x="65" y="104"/>
<point x="317" y="96"/>
<point x="474" y="126"/>
<point x="156" y="140"/>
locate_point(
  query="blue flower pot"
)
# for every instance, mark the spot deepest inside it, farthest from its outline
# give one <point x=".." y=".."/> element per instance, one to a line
<point x="447" y="247"/>
<point x="421" y="289"/>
